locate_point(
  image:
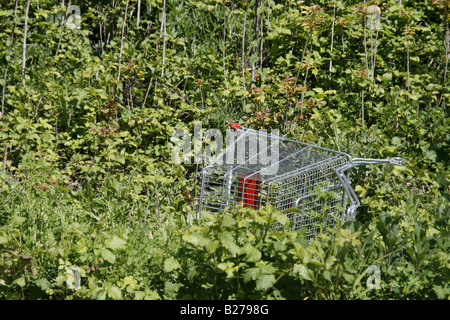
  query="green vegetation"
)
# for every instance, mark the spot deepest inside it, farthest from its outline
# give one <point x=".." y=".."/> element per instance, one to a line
<point x="89" y="107"/>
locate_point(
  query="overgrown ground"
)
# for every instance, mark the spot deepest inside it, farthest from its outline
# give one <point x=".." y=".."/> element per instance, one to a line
<point x="85" y="137"/>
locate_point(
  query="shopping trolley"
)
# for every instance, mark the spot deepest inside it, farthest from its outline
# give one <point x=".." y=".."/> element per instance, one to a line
<point x="258" y="168"/>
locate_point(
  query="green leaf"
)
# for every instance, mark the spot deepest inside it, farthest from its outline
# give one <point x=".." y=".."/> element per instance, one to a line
<point x="4" y="240"/>
<point x="315" y="262"/>
<point x="252" y="254"/>
<point x="212" y="246"/>
<point x="228" y="267"/>
<point x="228" y="221"/>
<point x="360" y="190"/>
<point x="254" y="58"/>
<point x="431" y="154"/>
<point x="330" y="262"/>
<point x="397" y="141"/>
<point x="102" y="295"/>
<point x="195" y="239"/>
<point x="442" y="292"/>
<point x="6" y="13"/>
<point x="129" y="280"/>
<point x="16" y="220"/>
<point x="20" y="281"/>
<point x="116" y="243"/>
<point x="386" y="77"/>
<point x="265" y="281"/>
<point x="43" y="283"/>
<point x="114" y="293"/>
<point x="171" y="264"/>
<point x="251" y="274"/>
<point x="191" y="238"/>
<point x="229" y="244"/>
<point x="106" y="254"/>
<point x="151" y="295"/>
<point x="281" y="218"/>
<point x="139" y="295"/>
<point x="302" y="271"/>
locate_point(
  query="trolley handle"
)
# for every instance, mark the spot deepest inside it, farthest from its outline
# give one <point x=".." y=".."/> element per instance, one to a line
<point x="351" y="211"/>
<point x="363" y="161"/>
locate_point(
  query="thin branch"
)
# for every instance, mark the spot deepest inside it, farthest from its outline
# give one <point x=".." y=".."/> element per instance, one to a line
<point x="362" y="107"/>
<point x="332" y="39"/>
<point x="255" y="33"/>
<point x="24" y="51"/>
<point x="157" y="201"/>
<point x="374" y="58"/>
<point x="261" y="47"/>
<point x="306" y="77"/>
<point x="365" y="60"/>
<point x="447" y="40"/>
<point x="301" y="60"/>
<point x="447" y="45"/>
<point x="37" y="108"/>
<point x="7" y="63"/>
<point x="5" y="155"/>
<point x="365" y="41"/>
<point x="223" y="45"/>
<point x="408" y="80"/>
<point x="243" y="50"/>
<point x="146" y="93"/>
<point x="4" y="91"/>
<point x="163" y="25"/>
<point x="138" y="18"/>
<point x="121" y="41"/>
<point x="100" y="23"/>
<point x="63" y="25"/>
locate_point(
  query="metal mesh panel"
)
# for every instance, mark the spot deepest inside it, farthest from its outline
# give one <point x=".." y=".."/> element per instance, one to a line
<point x="316" y="192"/>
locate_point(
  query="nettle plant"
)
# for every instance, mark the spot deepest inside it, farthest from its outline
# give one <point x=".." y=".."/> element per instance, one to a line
<point x="239" y="255"/>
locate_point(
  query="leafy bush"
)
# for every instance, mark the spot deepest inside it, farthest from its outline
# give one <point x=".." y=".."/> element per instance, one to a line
<point x="89" y="107"/>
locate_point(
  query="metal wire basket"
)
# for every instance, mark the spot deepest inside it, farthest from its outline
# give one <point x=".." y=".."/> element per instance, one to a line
<point x="311" y="179"/>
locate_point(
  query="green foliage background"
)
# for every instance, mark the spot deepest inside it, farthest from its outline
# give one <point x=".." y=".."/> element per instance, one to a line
<point x="88" y="113"/>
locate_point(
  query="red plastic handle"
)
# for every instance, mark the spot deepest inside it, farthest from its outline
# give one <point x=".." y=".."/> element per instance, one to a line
<point x="235" y="126"/>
